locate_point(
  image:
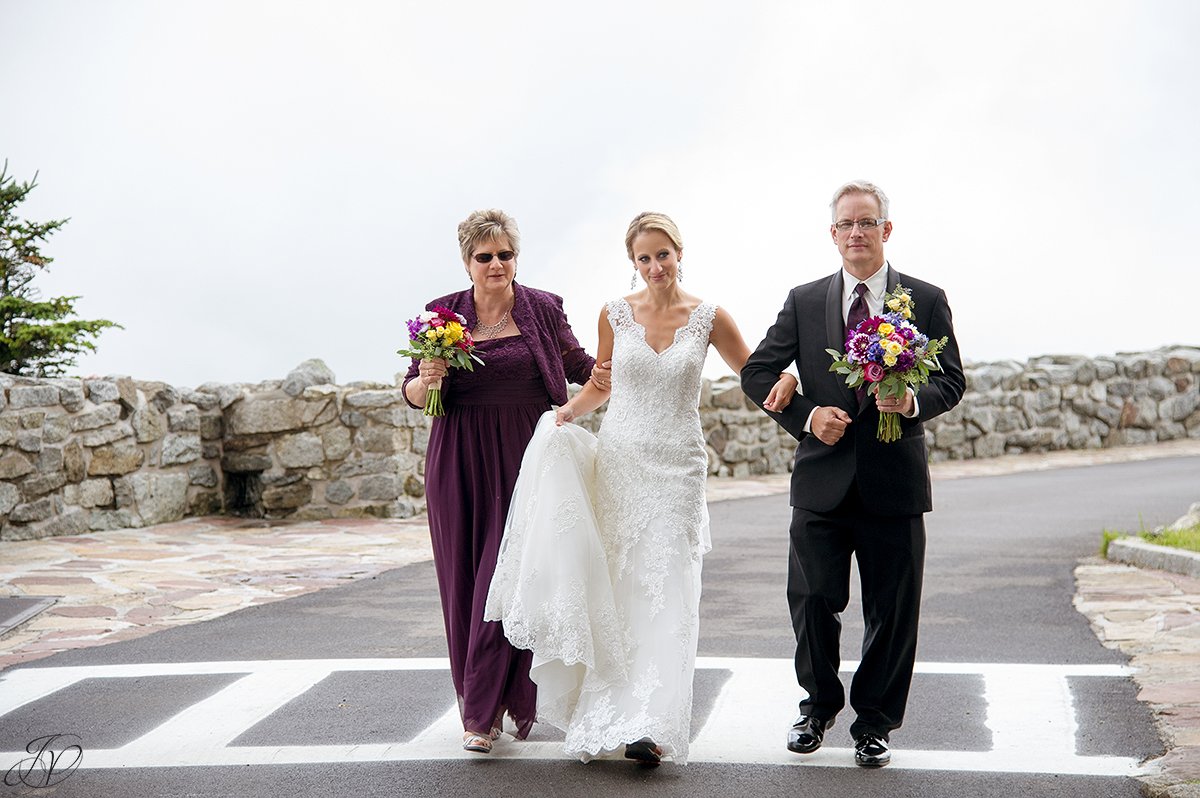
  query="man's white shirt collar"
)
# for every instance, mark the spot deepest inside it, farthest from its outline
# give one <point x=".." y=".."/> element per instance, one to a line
<point x="876" y="285"/>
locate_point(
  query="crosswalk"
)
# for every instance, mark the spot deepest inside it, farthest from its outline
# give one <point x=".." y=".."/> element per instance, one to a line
<point x="744" y="725"/>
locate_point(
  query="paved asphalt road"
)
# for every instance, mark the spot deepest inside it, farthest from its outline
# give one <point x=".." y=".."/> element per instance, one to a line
<point x="998" y="593"/>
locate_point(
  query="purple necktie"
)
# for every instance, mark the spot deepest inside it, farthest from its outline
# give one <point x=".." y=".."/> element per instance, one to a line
<point x="858" y="308"/>
<point x="858" y="314"/>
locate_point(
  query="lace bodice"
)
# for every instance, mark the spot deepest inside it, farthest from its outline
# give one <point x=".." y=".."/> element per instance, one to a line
<point x="650" y="460"/>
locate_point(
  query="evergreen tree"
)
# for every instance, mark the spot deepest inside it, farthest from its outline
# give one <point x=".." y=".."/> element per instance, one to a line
<point x="37" y="337"/>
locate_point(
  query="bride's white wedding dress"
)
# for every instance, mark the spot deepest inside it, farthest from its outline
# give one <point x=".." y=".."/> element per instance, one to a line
<point x="599" y="570"/>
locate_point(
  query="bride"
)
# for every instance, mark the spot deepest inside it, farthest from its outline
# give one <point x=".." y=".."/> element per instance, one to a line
<point x="599" y="569"/>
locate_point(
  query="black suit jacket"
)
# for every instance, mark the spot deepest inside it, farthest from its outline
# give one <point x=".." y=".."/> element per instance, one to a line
<point x="892" y="478"/>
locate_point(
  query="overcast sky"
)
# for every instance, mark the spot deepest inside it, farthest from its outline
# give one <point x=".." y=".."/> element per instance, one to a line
<point x="251" y="184"/>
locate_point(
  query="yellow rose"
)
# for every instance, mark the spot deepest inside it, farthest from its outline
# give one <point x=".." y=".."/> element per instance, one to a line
<point x="891" y="348"/>
<point x="893" y="304"/>
<point x="432" y="334"/>
<point x="889" y="360"/>
<point x="907" y="313"/>
<point x="886" y="329"/>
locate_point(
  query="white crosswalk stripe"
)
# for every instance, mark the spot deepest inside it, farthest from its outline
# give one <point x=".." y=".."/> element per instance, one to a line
<point x="745" y="725"/>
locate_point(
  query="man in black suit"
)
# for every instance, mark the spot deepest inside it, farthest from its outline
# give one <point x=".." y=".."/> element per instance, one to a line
<point x="850" y="492"/>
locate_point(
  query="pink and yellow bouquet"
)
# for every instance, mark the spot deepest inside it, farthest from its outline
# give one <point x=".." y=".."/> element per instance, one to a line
<point x="889" y="354"/>
<point x="440" y="333"/>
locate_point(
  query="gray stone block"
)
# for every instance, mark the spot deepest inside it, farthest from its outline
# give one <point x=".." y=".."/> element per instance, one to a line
<point x="201" y="399"/>
<point x="353" y="418"/>
<point x="73" y="461"/>
<point x="414" y="486"/>
<point x="309" y="373"/>
<point x="73" y="522"/>
<point x="14" y="465"/>
<point x="159" y="498"/>
<point x="100" y="391"/>
<point x="245" y="462"/>
<point x="29" y="440"/>
<point x="116" y="460"/>
<point x="41" y="484"/>
<point x="319" y="413"/>
<point x="300" y="451"/>
<point x="149" y="424"/>
<point x="336" y="441"/>
<point x="287" y="497"/>
<point x="96" y="493"/>
<point x="38" y="510"/>
<point x="10" y="497"/>
<point x="183" y="418"/>
<point x="158" y="394"/>
<point x="338" y="492"/>
<point x="108" y="520"/>
<point x="212" y="427"/>
<point x="56" y="429"/>
<point x="180" y="448"/>
<point x="203" y="475"/>
<point x="1179" y="406"/>
<point x="20" y="396"/>
<point x="205" y="502"/>
<point x="363" y="465"/>
<point x="375" y="440"/>
<point x="126" y="392"/>
<point x="106" y="435"/>
<point x="365" y="399"/>
<point x="102" y="416"/>
<point x="382" y="487"/>
<point x="266" y="415"/>
<point x="31" y="419"/>
<point x="71" y="396"/>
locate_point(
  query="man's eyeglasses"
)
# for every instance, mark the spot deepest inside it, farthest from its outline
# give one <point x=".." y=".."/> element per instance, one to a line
<point x="486" y="257"/>
<point x="863" y="224"/>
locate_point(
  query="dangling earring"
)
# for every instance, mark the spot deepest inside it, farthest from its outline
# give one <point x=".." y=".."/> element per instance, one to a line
<point x="633" y="280"/>
<point x="679" y="273"/>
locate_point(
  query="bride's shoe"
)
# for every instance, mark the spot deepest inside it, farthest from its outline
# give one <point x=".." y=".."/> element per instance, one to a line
<point x="644" y="752"/>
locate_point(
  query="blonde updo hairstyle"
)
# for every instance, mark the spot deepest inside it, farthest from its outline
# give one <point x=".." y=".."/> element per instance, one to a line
<point x="487" y="225"/>
<point x="645" y="222"/>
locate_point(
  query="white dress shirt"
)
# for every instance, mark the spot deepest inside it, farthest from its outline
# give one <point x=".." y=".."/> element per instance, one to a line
<point x="876" y="288"/>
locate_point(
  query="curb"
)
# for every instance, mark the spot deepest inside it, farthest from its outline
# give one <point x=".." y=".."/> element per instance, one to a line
<point x="1136" y="551"/>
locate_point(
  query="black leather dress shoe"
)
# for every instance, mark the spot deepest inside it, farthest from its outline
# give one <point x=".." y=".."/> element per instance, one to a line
<point x="806" y="734"/>
<point x="871" y="751"/>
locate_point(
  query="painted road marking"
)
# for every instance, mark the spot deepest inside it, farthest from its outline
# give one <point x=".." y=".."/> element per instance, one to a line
<point x="747" y="711"/>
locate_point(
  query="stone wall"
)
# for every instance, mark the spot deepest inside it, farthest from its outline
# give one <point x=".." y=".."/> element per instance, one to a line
<point x="95" y="454"/>
<point x="1071" y="402"/>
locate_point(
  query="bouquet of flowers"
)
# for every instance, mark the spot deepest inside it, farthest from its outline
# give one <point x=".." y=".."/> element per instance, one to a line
<point x="440" y="333"/>
<point x="889" y="354"/>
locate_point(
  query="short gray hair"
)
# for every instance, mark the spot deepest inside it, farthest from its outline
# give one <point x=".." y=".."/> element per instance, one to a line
<point x="860" y="187"/>
<point x="488" y="225"/>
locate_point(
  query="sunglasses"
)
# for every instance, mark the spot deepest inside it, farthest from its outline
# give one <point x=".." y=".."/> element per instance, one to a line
<point x="486" y="257"/>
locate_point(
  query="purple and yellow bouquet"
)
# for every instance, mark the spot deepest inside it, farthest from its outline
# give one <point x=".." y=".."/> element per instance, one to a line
<point x="889" y="354"/>
<point x="440" y="333"/>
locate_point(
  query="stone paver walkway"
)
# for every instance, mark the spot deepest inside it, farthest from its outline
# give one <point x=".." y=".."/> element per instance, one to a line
<point x="1153" y="617"/>
<point x="118" y="585"/>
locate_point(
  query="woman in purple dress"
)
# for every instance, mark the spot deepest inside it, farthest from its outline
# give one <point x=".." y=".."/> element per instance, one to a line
<point x="474" y="454"/>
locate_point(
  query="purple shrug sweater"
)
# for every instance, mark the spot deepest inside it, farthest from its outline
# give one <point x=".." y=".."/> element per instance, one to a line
<point x="543" y="323"/>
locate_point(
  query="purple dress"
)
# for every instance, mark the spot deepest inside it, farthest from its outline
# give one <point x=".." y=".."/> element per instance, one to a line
<point x="471" y="467"/>
<point x="474" y="455"/>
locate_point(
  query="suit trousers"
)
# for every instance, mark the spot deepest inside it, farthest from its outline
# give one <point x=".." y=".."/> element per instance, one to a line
<point x="890" y="551"/>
